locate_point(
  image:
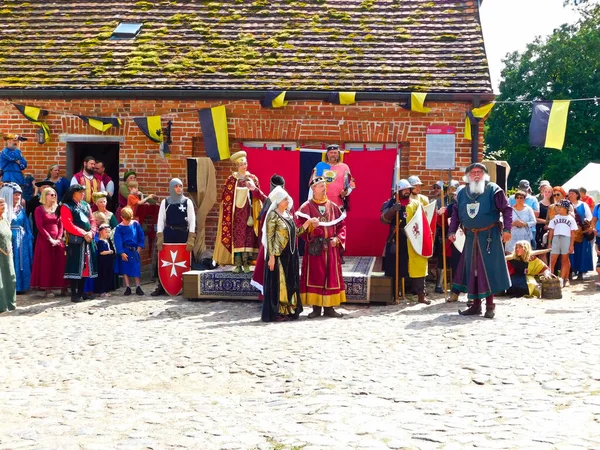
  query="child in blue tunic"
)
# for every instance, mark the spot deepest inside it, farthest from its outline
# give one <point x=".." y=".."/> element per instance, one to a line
<point x="106" y="262"/>
<point x="129" y="240"/>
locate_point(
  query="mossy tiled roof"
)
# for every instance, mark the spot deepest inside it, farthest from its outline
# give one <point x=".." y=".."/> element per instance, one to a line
<point x="355" y="45"/>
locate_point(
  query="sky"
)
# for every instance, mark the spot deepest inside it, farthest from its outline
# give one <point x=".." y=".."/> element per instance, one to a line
<point x="509" y="25"/>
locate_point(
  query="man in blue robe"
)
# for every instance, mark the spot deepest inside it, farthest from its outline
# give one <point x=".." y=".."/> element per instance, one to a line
<point x="482" y="269"/>
<point x="12" y="162"/>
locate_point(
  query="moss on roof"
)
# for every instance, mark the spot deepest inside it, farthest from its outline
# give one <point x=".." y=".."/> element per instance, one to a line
<point x="397" y="45"/>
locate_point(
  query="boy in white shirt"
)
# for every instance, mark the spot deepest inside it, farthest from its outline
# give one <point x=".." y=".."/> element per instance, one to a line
<point x="562" y="238"/>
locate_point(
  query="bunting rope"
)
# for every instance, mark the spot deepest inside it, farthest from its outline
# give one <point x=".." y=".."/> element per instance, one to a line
<point x="192" y="110"/>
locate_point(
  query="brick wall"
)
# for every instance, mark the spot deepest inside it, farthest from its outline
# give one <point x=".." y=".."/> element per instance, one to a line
<point x="310" y="123"/>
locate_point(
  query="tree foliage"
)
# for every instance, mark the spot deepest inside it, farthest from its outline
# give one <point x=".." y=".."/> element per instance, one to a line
<point x="566" y="65"/>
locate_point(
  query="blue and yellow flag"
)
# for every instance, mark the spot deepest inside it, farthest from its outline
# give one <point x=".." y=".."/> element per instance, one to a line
<point x="32" y="114"/>
<point x="151" y="127"/>
<point x="416" y="102"/>
<point x="275" y="99"/>
<point x="213" y="122"/>
<point x="474" y="116"/>
<point x="100" y="123"/>
<point x="549" y="124"/>
<point x="342" y="98"/>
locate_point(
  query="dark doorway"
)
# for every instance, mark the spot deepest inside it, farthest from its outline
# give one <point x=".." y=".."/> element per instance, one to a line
<point x="107" y="152"/>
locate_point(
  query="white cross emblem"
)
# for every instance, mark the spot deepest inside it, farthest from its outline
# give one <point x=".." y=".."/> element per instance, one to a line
<point x="173" y="263"/>
<point x="182" y="207"/>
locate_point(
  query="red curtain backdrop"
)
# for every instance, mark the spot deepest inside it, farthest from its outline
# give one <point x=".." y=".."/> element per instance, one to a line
<point x="372" y="173"/>
<point x="265" y="163"/>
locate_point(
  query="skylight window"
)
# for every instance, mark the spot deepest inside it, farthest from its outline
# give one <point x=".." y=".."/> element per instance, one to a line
<point x="126" y="31"/>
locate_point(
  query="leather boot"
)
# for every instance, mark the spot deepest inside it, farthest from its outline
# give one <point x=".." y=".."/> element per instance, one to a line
<point x="490" y="311"/>
<point x="330" y="312"/>
<point x="422" y="299"/>
<point x="159" y="291"/>
<point x="474" y="309"/>
<point x="316" y="312"/>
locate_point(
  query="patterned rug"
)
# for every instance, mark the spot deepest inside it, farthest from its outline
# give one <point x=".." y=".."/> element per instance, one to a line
<point x="222" y="283"/>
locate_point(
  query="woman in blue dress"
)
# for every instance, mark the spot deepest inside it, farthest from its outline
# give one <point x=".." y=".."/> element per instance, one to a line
<point x="581" y="259"/>
<point x="129" y="240"/>
<point x="22" y="237"/>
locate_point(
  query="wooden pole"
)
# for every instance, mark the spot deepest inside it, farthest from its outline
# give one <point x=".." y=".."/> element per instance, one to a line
<point x="396" y="287"/>
<point x="444" y="244"/>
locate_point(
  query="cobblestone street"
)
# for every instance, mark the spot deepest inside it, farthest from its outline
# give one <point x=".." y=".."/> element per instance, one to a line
<point x="146" y="373"/>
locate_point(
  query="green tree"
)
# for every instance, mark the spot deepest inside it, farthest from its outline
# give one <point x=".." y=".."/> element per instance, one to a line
<point x="566" y="65"/>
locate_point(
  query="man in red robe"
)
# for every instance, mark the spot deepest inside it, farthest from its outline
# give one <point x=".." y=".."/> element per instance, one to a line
<point x="321" y="281"/>
<point x="89" y="179"/>
<point x="237" y="231"/>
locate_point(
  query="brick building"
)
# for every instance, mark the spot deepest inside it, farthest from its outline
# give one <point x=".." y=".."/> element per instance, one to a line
<point x="189" y="55"/>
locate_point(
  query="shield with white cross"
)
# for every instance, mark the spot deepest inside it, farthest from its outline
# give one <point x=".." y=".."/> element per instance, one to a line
<point x="173" y="261"/>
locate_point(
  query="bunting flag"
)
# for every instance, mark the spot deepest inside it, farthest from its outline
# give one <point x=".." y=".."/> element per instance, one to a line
<point x="416" y="102"/>
<point x="549" y="124"/>
<point x="213" y="122"/>
<point x="151" y="127"/>
<point x="32" y="114"/>
<point x="100" y="123"/>
<point x="275" y="99"/>
<point x="474" y="116"/>
<point x="342" y="98"/>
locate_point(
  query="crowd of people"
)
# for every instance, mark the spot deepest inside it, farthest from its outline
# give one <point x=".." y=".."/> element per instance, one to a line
<point x="66" y="238"/>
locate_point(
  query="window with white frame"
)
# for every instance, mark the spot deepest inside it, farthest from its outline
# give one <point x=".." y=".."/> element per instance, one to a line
<point x="271" y="145"/>
<point x="371" y="147"/>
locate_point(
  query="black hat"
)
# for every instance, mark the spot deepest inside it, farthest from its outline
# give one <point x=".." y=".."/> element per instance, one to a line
<point x="474" y="166"/>
<point x="76" y="188"/>
<point x="277" y="180"/>
<point x="44" y="183"/>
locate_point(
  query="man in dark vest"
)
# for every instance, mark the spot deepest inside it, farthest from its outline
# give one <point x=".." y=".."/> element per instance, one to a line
<point x="77" y="220"/>
<point x="482" y="270"/>
<point x="176" y="222"/>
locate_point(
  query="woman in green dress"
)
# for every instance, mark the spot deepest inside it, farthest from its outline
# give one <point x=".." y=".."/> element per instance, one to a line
<point x="8" y="279"/>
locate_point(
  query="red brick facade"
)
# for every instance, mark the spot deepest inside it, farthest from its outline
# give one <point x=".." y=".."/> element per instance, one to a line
<point x="309" y="123"/>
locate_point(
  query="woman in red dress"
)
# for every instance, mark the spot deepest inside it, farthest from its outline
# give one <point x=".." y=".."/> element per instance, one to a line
<point x="49" y="255"/>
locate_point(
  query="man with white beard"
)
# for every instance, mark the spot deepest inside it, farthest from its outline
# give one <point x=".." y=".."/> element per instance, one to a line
<point x="482" y="269"/>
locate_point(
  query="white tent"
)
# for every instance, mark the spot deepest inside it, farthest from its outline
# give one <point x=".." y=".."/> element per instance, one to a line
<point x="589" y="178"/>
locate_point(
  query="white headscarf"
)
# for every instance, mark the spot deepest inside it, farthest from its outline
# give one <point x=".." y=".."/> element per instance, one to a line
<point x="276" y="196"/>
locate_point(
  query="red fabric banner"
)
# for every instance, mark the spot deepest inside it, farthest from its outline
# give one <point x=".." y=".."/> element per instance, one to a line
<point x="265" y="163"/>
<point x="366" y="235"/>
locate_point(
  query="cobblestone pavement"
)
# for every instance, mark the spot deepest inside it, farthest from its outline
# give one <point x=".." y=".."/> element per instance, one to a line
<point x="146" y="373"/>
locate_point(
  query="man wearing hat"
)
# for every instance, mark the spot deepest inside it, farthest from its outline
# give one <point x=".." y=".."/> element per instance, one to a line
<point x="411" y="264"/>
<point x="241" y="203"/>
<point x="482" y="269"/>
<point x="80" y="227"/>
<point x="12" y="162"/>
<point x="530" y="201"/>
<point x="415" y="183"/>
<point x="321" y="281"/>
<point x="340" y="183"/>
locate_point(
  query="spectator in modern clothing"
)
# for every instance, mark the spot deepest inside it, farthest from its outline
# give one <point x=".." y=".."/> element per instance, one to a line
<point x="523" y="220"/>
<point x="530" y="201"/>
<point x="561" y="239"/>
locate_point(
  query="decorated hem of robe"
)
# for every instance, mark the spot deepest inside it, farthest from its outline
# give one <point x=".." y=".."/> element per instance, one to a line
<point x="245" y="250"/>
<point x="478" y="296"/>
<point x="309" y="298"/>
